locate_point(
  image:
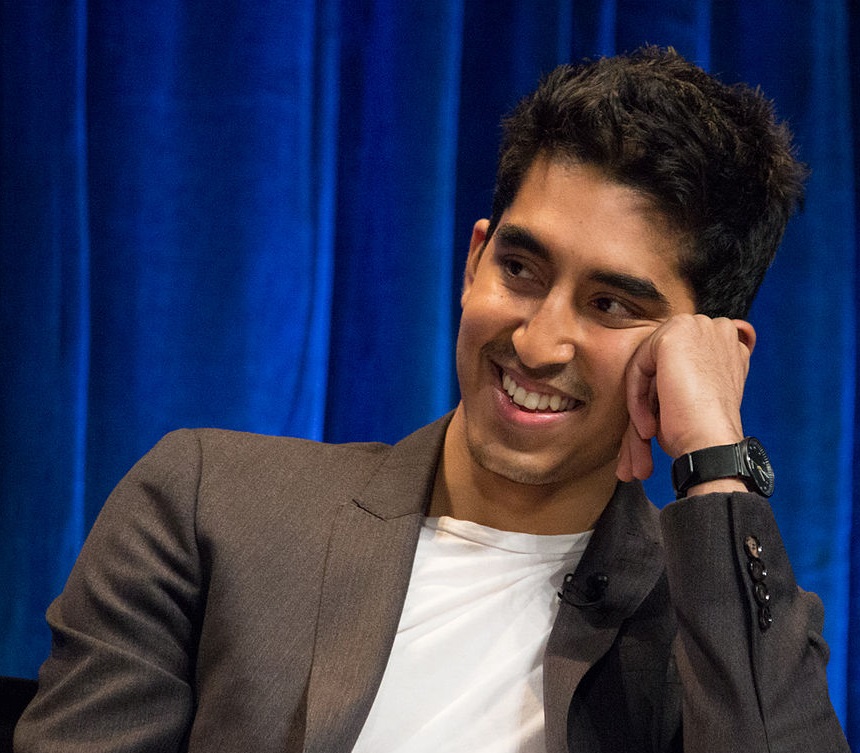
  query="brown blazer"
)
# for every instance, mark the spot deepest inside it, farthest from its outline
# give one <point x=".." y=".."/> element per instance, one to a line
<point x="241" y="593"/>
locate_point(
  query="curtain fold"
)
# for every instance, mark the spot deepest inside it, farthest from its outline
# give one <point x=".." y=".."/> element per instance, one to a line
<point x="44" y="315"/>
<point x="852" y="712"/>
<point x="255" y="216"/>
<point x="391" y="350"/>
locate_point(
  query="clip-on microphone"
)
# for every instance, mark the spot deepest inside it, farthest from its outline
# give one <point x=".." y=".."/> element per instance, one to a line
<point x="596" y="585"/>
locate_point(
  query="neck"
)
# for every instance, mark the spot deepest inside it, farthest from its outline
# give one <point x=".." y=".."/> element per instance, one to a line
<point x="465" y="490"/>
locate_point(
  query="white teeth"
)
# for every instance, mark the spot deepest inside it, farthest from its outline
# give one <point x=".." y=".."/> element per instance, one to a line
<point x="534" y="400"/>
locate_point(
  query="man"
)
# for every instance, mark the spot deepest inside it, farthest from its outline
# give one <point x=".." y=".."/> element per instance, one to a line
<point x="496" y="581"/>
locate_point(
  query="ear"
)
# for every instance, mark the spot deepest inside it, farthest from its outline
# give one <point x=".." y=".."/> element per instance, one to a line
<point x="746" y="333"/>
<point x="476" y="249"/>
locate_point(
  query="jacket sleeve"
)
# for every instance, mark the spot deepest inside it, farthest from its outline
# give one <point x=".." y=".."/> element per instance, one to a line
<point x="749" y="649"/>
<point x="119" y="674"/>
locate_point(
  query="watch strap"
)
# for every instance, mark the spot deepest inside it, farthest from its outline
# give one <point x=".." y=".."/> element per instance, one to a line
<point x="709" y="464"/>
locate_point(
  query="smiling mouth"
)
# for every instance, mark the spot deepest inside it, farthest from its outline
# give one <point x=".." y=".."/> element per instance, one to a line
<point x="537" y="401"/>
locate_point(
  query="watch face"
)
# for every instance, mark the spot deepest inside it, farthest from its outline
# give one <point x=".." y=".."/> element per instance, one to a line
<point x="760" y="467"/>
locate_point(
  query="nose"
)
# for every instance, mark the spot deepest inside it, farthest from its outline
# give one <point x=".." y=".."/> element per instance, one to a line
<point x="548" y="336"/>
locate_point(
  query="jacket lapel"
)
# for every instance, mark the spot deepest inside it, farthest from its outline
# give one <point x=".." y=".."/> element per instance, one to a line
<point x="626" y="547"/>
<point x="367" y="572"/>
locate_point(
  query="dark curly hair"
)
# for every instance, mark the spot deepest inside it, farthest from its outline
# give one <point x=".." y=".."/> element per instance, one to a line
<point x="712" y="157"/>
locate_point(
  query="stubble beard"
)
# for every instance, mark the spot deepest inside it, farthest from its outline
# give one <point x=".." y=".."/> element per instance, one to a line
<point x="518" y="471"/>
<point x="516" y="474"/>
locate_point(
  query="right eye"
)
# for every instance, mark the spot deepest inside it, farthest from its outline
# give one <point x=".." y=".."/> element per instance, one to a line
<point x="514" y="267"/>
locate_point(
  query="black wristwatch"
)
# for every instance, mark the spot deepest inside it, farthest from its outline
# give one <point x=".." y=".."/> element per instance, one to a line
<point x="746" y="460"/>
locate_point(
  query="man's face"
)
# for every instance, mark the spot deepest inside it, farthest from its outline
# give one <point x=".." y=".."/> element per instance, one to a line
<point x="578" y="273"/>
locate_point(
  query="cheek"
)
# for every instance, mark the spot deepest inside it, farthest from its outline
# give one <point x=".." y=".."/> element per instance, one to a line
<point x="475" y="332"/>
<point x="468" y="335"/>
<point x="486" y="312"/>
<point x="471" y="336"/>
<point x="607" y="367"/>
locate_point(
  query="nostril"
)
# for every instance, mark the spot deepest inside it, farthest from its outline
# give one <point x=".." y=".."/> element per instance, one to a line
<point x="538" y="348"/>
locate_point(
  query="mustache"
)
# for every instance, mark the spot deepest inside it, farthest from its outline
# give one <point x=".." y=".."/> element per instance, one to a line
<point x="560" y="376"/>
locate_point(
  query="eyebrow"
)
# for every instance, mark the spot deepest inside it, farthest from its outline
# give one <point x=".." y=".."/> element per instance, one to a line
<point x="638" y="287"/>
<point x="517" y="235"/>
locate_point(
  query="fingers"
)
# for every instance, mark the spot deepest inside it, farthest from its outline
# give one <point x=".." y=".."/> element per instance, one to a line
<point x="684" y="386"/>
<point x="634" y="459"/>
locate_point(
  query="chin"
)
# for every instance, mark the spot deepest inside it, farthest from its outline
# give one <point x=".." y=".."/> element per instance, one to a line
<point x="515" y="467"/>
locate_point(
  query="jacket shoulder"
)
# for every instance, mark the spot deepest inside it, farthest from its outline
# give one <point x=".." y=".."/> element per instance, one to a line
<point x="229" y="466"/>
<point x="232" y="465"/>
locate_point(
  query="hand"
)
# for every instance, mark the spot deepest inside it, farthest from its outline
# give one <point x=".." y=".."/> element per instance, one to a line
<point x="685" y="383"/>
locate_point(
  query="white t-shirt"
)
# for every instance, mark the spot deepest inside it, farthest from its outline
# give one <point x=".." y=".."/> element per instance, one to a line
<point x="465" y="672"/>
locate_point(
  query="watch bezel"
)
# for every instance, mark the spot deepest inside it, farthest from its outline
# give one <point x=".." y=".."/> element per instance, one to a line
<point x="758" y="466"/>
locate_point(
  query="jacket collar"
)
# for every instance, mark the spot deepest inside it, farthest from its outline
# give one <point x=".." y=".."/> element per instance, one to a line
<point x="404" y="480"/>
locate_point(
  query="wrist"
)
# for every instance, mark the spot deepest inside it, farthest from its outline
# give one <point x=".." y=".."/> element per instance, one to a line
<point x="713" y="438"/>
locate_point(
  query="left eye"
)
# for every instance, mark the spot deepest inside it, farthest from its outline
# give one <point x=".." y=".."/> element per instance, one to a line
<point x="613" y="307"/>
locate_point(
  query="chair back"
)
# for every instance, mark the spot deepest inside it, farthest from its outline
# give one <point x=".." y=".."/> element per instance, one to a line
<point x="15" y="694"/>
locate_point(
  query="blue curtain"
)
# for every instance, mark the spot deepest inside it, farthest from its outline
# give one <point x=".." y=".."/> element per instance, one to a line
<point x="255" y="215"/>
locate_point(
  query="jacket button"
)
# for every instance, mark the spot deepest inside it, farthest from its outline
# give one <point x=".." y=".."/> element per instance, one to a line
<point x="758" y="571"/>
<point x="753" y="547"/>
<point x="758" y="574"/>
